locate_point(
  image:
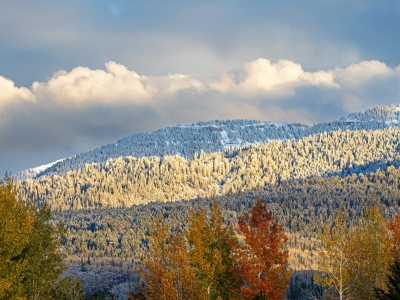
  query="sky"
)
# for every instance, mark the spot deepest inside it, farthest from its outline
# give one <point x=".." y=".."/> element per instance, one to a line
<point x="75" y="75"/>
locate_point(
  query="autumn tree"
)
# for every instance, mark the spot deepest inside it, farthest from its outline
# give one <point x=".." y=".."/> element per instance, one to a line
<point x="373" y="243"/>
<point x="354" y="259"/>
<point x="339" y="258"/>
<point x="261" y="258"/>
<point x="394" y="227"/>
<point x="30" y="265"/>
<point x="211" y="254"/>
<point x="44" y="263"/>
<point x="167" y="272"/>
<point x="16" y="225"/>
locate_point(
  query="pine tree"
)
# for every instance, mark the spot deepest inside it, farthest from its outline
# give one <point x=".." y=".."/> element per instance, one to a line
<point x="393" y="284"/>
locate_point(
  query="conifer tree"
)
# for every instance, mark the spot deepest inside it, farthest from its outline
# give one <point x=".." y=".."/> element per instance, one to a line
<point x="393" y="284"/>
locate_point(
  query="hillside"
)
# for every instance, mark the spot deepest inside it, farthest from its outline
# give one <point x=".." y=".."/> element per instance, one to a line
<point x="214" y="136"/>
<point x="127" y="181"/>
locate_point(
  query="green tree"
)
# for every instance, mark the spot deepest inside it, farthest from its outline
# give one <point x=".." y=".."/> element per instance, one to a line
<point x="393" y="284"/>
<point x="30" y="265"/>
<point x="45" y="264"/>
<point x="69" y="288"/>
<point x="211" y="253"/>
<point x="16" y="225"/>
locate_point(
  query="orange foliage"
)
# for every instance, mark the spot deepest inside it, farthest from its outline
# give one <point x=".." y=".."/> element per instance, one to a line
<point x="394" y="227"/>
<point x="261" y="261"/>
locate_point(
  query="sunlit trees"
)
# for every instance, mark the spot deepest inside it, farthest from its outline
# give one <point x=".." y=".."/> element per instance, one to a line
<point x="211" y="254"/>
<point x="262" y="257"/>
<point x="16" y="224"/>
<point x="373" y="245"/>
<point x="394" y="227"/>
<point x="339" y="258"/>
<point x="30" y="265"/>
<point x="44" y="263"/>
<point x="354" y="259"/>
<point x="167" y="272"/>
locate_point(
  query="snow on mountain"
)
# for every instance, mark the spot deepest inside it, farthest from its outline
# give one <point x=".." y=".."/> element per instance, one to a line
<point x="213" y="136"/>
<point x="30" y="173"/>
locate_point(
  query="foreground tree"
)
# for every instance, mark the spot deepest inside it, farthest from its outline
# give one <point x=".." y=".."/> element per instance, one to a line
<point x="373" y="243"/>
<point x="394" y="227"/>
<point x="393" y="284"/>
<point x="211" y="254"/>
<point x="16" y="225"/>
<point x="262" y="257"/>
<point x="69" y="288"/>
<point x="30" y="265"/>
<point x="167" y="272"/>
<point x="45" y="264"/>
<point x="354" y="259"/>
<point x="339" y="258"/>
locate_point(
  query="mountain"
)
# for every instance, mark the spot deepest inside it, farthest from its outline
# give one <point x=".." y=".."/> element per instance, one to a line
<point x="127" y="180"/>
<point x="213" y="136"/>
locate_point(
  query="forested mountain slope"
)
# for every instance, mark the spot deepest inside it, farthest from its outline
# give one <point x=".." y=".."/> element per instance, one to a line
<point x="300" y="205"/>
<point x="214" y="136"/>
<point x="127" y="181"/>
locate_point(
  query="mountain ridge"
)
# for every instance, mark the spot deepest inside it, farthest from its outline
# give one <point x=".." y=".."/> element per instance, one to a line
<point x="213" y="136"/>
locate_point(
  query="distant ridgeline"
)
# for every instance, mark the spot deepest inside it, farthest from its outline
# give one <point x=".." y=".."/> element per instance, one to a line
<point x="214" y="136"/>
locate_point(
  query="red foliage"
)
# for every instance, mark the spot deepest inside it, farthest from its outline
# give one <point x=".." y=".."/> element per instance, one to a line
<point x="394" y="227"/>
<point x="261" y="261"/>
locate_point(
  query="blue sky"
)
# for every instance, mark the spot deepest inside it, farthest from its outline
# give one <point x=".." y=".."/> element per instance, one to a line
<point x="78" y="74"/>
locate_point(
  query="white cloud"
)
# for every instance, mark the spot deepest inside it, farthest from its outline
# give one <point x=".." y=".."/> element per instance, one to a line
<point x="83" y="86"/>
<point x="94" y="106"/>
<point x="362" y="73"/>
<point x="116" y="85"/>
<point x="10" y="93"/>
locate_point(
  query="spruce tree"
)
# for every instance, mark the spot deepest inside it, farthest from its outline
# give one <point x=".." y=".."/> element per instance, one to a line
<point x="393" y="284"/>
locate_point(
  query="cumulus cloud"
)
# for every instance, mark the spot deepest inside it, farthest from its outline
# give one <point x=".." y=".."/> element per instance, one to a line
<point x="10" y="93"/>
<point x="77" y="110"/>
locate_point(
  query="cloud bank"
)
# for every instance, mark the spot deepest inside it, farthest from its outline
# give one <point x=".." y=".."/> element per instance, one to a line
<point x="77" y="110"/>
